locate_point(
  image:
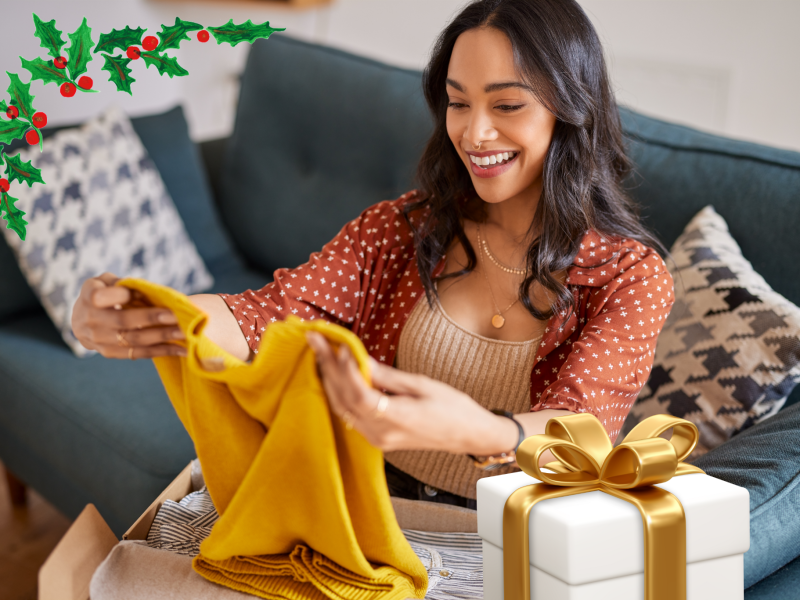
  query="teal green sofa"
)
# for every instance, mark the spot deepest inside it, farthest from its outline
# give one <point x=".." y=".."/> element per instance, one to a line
<point x="320" y="135"/>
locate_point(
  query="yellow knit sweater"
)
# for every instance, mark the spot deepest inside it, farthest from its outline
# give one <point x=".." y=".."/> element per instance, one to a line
<point x="304" y="508"/>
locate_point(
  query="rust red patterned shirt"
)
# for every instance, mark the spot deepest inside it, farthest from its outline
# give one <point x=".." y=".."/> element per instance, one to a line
<point x="366" y="279"/>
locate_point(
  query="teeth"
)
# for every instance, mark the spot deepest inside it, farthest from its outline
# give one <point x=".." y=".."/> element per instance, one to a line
<point x="493" y="159"/>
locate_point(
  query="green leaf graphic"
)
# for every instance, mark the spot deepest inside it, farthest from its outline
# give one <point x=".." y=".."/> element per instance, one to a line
<point x="166" y="65"/>
<point x="13" y="215"/>
<point x="172" y="36"/>
<point x="246" y="32"/>
<point x="44" y="70"/>
<point x="12" y="130"/>
<point x="119" y="38"/>
<point x="120" y="74"/>
<point x="24" y="172"/>
<point x="49" y="37"/>
<point x="79" y="51"/>
<point x="3" y="106"/>
<point x="21" y="96"/>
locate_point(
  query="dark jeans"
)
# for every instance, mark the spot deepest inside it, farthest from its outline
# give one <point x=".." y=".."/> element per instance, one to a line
<point x="765" y="459"/>
<point x="403" y="485"/>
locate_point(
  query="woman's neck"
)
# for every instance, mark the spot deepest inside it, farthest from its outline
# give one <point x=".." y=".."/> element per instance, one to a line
<point x="513" y="217"/>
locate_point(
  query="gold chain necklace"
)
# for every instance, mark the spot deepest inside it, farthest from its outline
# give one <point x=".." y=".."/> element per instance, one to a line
<point x="497" y="320"/>
<point x="485" y="246"/>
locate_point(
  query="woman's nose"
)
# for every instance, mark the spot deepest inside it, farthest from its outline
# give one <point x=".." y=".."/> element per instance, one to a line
<point x="480" y="128"/>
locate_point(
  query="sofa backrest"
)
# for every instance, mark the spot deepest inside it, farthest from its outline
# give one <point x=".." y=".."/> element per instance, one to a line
<point x="320" y="135"/>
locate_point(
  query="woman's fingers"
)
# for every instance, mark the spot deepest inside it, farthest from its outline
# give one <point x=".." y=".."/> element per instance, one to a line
<point x="137" y="352"/>
<point x="345" y="387"/>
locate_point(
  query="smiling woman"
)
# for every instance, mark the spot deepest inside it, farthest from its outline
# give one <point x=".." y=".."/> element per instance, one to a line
<point x="557" y="312"/>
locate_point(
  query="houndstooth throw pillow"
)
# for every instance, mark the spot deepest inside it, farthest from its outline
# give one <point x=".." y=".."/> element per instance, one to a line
<point x="729" y="354"/>
<point x="104" y="208"/>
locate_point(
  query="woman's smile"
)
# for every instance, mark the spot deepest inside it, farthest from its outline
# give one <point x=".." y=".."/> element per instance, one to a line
<point x="491" y="163"/>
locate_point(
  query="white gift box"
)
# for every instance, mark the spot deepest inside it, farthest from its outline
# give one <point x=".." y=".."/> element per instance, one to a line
<point x="591" y="546"/>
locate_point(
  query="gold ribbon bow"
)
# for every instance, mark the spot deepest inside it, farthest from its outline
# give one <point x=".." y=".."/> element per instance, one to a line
<point x="586" y="463"/>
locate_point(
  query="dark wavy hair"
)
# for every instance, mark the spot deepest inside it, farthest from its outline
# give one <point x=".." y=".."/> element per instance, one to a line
<point x="558" y="53"/>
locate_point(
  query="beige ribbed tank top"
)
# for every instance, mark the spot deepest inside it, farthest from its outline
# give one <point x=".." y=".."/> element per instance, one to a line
<point x="494" y="373"/>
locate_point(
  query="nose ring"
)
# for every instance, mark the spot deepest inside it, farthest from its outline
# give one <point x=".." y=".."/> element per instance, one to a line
<point x="479" y="146"/>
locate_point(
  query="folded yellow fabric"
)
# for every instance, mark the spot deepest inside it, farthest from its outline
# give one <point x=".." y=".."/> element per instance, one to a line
<point x="304" y="508"/>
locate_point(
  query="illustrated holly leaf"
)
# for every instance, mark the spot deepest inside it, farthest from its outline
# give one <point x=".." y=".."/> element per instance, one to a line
<point x="172" y="36"/>
<point x="13" y="215"/>
<point x="24" y="172"/>
<point x="119" y="39"/>
<point x="120" y="73"/>
<point x="246" y="32"/>
<point x="166" y="65"/>
<point x="12" y="130"/>
<point x="3" y="106"/>
<point x="79" y="51"/>
<point x="20" y="94"/>
<point x="49" y="37"/>
<point x="44" y="70"/>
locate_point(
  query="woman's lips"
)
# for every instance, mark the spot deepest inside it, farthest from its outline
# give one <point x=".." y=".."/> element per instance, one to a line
<point x="493" y="171"/>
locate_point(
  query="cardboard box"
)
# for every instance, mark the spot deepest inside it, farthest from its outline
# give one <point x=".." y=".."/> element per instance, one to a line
<point x="591" y="546"/>
<point x="68" y="571"/>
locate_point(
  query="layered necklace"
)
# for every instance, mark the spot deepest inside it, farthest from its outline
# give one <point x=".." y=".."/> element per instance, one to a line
<point x="498" y="320"/>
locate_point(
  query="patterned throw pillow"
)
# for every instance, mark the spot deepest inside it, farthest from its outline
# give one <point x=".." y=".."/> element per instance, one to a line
<point x="104" y="208"/>
<point x="729" y="354"/>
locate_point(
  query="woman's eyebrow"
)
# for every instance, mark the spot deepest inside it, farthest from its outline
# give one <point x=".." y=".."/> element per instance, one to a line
<point x="492" y="87"/>
<point x="496" y="87"/>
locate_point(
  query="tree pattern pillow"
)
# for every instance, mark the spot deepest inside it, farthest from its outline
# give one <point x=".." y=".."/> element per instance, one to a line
<point x="104" y="208"/>
<point x="729" y="354"/>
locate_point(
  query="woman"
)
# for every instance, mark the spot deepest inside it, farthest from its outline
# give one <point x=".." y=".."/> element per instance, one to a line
<point x="543" y="293"/>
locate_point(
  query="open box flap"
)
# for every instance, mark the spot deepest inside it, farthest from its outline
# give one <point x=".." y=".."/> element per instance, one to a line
<point x="68" y="570"/>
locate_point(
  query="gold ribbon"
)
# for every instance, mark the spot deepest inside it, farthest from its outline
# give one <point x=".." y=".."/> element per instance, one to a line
<point x="586" y="463"/>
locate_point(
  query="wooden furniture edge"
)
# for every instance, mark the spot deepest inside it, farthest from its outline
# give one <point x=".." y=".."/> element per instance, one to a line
<point x="67" y="572"/>
<point x="180" y="487"/>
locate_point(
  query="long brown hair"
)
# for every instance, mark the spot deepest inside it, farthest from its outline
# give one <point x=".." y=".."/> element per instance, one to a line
<point x="556" y="51"/>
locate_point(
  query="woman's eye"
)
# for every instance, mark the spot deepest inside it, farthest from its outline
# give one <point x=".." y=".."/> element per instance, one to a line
<point x="510" y="107"/>
<point x="455" y="105"/>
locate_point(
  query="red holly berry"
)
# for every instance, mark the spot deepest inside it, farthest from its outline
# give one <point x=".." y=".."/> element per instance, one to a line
<point x="4" y="187"/>
<point x="133" y="52"/>
<point x="85" y="82"/>
<point x="39" y="120"/>
<point x="32" y="137"/>
<point x="150" y="42"/>
<point x="12" y="112"/>
<point x="202" y="36"/>
<point x="68" y="89"/>
<point x="60" y="62"/>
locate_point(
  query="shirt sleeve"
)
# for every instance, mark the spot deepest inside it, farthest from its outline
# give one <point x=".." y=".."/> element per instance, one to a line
<point x="611" y="360"/>
<point x="329" y="286"/>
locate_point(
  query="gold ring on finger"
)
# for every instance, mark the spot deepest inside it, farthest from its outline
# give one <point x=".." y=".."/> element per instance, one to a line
<point x="347" y="419"/>
<point x="121" y="339"/>
<point x="130" y="353"/>
<point x="380" y="408"/>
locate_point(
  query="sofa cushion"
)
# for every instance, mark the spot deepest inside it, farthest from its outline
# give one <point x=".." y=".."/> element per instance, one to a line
<point x="104" y="208"/>
<point x="765" y="460"/>
<point x="319" y="136"/>
<point x="729" y="354"/>
<point x="166" y="138"/>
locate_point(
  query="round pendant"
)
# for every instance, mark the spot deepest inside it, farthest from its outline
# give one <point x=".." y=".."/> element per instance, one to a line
<point x="498" y="321"/>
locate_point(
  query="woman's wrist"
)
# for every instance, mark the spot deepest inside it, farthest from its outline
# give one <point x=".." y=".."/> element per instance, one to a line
<point x="498" y="435"/>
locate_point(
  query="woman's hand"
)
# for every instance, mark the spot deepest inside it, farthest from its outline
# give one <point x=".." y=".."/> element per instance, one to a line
<point x="421" y="413"/>
<point x="140" y="330"/>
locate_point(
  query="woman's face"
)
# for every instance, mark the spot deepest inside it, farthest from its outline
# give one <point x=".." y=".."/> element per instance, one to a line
<point x="489" y="103"/>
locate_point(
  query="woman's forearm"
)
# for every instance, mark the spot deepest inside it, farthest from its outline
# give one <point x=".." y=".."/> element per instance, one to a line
<point x="222" y="327"/>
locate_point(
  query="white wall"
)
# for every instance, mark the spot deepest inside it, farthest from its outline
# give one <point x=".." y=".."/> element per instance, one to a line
<point x="726" y="66"/>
